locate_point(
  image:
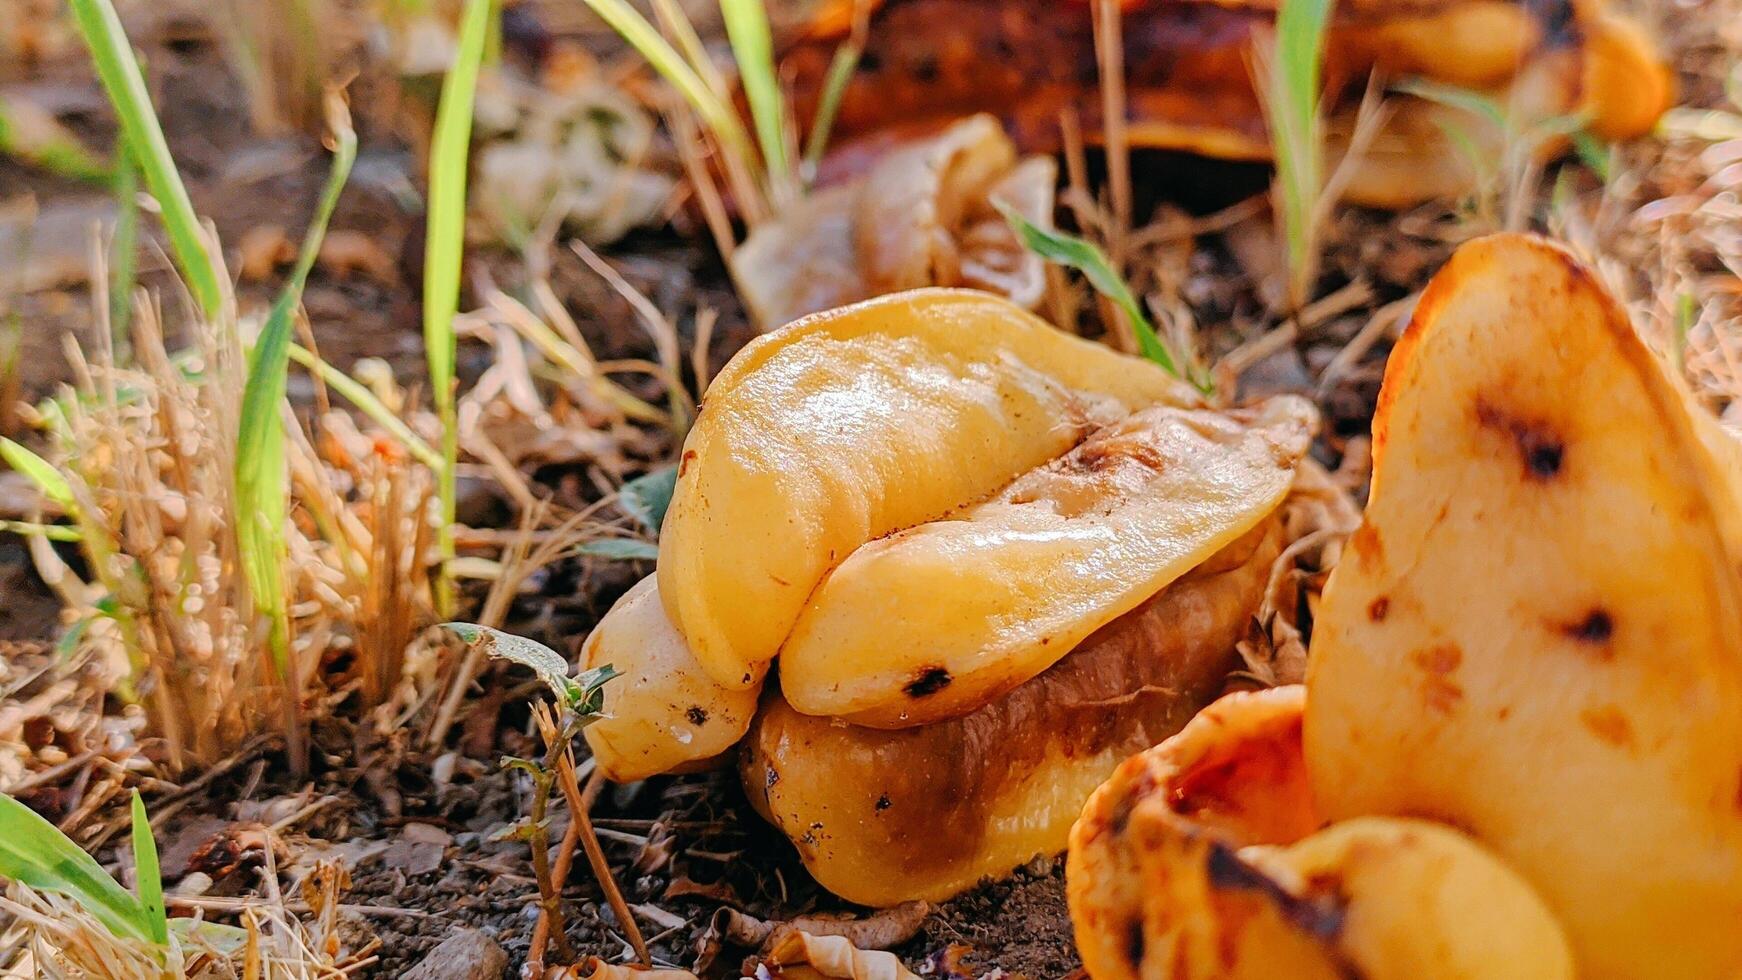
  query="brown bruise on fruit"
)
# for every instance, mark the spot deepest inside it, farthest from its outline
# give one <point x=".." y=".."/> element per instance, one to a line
<point x="882" y="816"/>
<point x="1152" y="854"/>
<point x="1608" y="724"/>
<point x="1208" y="858"/>
<point x="1438" y="683"/>
<point x="1593" y="631"/>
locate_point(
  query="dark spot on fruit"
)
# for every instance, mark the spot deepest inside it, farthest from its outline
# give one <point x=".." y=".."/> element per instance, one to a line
<point x="683" y="463"/>
<point x="1597" y="627"/>
<point x="929" y="681"/>
<point x="1134" y="944"/>
<point x="1539" y="446"/>
<point x="1543" y="457"/>
<point x="1377" y="609"/>
<point x="697" y="715"/>
<point x="883" y="802"/>
<point x="771" y="778"/>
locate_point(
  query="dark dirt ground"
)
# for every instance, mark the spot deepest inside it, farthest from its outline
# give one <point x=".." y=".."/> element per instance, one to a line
<point x="680" y="847"/>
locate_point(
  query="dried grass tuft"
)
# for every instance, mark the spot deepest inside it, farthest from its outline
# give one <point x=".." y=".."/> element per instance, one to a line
<point x="53" y="938"/>
<point x="148" y="452"/>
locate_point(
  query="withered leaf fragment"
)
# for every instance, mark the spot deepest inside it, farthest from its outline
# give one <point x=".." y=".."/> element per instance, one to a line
<point x="923" y="215"/>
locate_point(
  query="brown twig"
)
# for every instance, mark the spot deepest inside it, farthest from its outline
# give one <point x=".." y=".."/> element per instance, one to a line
<point x="550" y="911"/>
<point x="1110" y="59"/>
<point x="565" y="856"/>
<point x="579" y="816"/>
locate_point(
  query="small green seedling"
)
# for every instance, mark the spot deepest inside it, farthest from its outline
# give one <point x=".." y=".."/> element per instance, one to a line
<point x="647" y="497"/>
<point x="583" y="694"/>
<point x="34" y="853"/>
<point x="581" y="701"/>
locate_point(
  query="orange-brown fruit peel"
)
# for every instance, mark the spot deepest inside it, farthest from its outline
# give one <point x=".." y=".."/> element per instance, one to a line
<point x="881" y="817"/>
<point x="1205" y="858"/>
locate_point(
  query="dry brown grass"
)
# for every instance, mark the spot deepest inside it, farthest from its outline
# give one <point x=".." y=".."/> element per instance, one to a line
<point x="53" y="938"/>
<point x="1663" y="229"/>
<point x="149" y="454"/>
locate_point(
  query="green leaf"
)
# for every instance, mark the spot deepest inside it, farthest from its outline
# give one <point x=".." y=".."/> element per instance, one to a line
<point x="34" y="852"/>
<point x="590" y="703"/>
<point x="647" y="497"/>
<point x="551" y="667"/>
<point x="38" y="471"/>
<point x="1593" y="153"/>
<point x="1081" y="255"/>
<point x="32" y="134"/>
<point x="68" y="644"/>
<point x="121" y="78"/>
<point x="620" y="549"/>
<point x="148" y="874"/>
<point x="224" y="940"/>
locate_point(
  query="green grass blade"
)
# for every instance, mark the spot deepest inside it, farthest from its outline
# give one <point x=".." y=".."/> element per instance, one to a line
<point x="444" y="250"/>
<point x="34" y="852"/>
<point x="1454" y="97"/>
<point x="1297" y="130"/>
<point x="841" y="68"/>
<point x="260" y="482"/>
<point x="1076" y="253"/>
<point x="753" y="50"/>
<point x="124" y="247"/>
<point x="645" y="38"/>
<point x="365" y="401"/>
<point x="40" y="472"/>
<point x="148" y="874"/>
<point x="121" y="78"/>
<point x="53" y="532"/>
